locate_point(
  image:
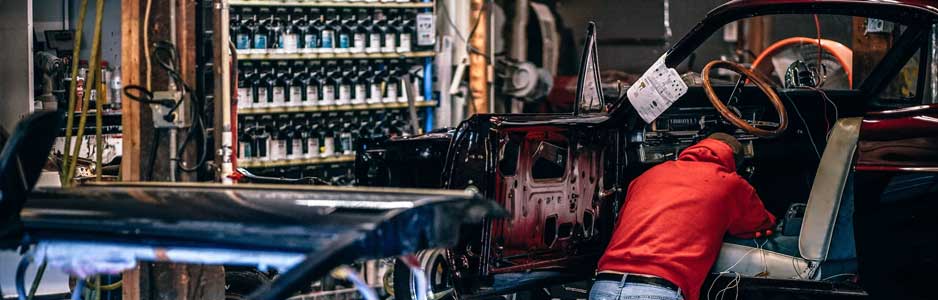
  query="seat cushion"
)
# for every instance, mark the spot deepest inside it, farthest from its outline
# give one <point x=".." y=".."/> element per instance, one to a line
<point x="755" y="262"/>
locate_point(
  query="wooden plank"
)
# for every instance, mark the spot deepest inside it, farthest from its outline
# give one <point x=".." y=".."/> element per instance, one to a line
<point x="130" y="75"/>
<point x="478" y="67"/>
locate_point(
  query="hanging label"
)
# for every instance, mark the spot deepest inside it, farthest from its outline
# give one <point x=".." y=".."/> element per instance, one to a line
<point x="405" y="42"/>
<point x="296" y="95"/>
<point x="279" y="96"/>
<point x="310" y="41"/>
<point x="244" y="97"/>
<point x="262" y="96"/>
<point x="312" y="147"/>
<point x="297" y="150"/>
<point x="360" y="93"/>
<point x="312" y="94"/>
<point x="390" y="43"/>
<point x="656" y="90"/>
<point x="358" y="42"/>
<point x="375" y="93"/>
<point x="328" y="147"/>
<point x="260" y="41"/>
<point x="345" y="93"/>
<point x="290" y="42"/>
<point x="426" y="29"/>
<point x="328" y="94"/>
<point x="243" y="41"/>
<point x="392" y="92"/>
<point x="374" y="42"/>
<point x="328" y="37"/>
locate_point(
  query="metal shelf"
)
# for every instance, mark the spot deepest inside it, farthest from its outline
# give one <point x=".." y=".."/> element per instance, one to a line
<point x="331" y="4"/>
<point x="298" y="162"/>
<point x="314" y="56"/>
<point x="327" y="108"/>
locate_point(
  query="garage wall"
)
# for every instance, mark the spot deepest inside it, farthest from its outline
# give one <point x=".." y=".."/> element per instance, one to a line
<point x="633" y="19"/>
<point x="16" y="80"/>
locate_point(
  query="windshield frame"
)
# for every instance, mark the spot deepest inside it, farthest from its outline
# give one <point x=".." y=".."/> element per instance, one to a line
<point x="916" y="18"/>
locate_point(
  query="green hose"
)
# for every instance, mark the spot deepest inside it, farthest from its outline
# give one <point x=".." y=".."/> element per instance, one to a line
<point x="71" y="93"/>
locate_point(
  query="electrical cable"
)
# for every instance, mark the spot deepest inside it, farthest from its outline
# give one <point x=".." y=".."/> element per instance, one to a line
<point x="77" y="290"/>
<point x="805" y="123"/>
<point x="35" y="286"/>
<point x="838" y="275"/>
<point x="348" y="274"/>
<point x="469" y="48"/>
<point x="167" y="58"/>
<point x="20" y="280"/>
<point x="452" y="24"/>
<point x="420" y="278"/>
<point x="146" y="45"/>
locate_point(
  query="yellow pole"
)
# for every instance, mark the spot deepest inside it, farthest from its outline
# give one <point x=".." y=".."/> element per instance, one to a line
<point x="71" y="92"/>
<point x="89" y="84"/>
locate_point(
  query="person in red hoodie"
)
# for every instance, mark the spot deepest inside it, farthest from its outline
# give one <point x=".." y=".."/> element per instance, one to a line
<point x="673" y="221"/>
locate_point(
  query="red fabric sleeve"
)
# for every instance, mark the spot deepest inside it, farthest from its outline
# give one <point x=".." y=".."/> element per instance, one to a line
<point x="751" y="215"/>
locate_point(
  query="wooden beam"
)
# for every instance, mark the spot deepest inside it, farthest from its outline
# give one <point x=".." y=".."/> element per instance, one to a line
<point x="479" y="75"/>
<point x="130" y="75"/>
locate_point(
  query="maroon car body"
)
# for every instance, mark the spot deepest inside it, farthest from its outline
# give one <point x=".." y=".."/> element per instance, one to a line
<point x="562" y="177"/>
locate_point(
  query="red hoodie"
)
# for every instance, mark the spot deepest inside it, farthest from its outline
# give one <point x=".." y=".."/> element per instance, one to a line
<point x="676" y="214"/>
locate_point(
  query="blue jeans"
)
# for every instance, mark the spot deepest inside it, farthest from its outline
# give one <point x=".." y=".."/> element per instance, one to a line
<point x="615" y="290"/>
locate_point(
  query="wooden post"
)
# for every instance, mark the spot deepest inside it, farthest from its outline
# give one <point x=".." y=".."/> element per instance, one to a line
<point x="159" y="280"/>
<point x="478" y="67"/>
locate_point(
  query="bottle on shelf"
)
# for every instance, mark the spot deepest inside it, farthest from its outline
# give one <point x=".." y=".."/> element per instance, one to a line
<point x="405" y="31"/>
<point x="262" y="138"/>
<point x="416" y="76"/>
<point x="282" y="81"/>
<point x="276" y="29"/>
<point x="346" y="19"/>
<point x="345" y="84"/>
<point x="345" y="139"/>
<point x="331" y="84"/>
<point x="375" y="84"/>
<point x="360" y="31"/>
<point x="279" y="138"/>
<point x="328" y="141"/>
<point x="314" y="134"/>
<point x="359" y="78"/>
<point x="313" y="39"/>
<point x="245" y="34"/>
<point x="300" y="136"/>
<point x="245" y="78"/>
<point x="329" y="27"/>
<point x="246" y="139"/>
<point x="389" y="32"/>
<point x="240" y="33"/>
<point x="264" y="87"/>
<point x="314" y="83"/>
<point x="392" y="83"/>
<point x="298" y="84"/>
<point x="290" y="38"/>
<point x="374" y="32"/>
<point x="262" y="31"/>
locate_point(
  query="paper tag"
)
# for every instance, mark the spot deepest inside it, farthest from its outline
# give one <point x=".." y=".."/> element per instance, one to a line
<point x="656" y="90"/>
<point x="426" y="29"/>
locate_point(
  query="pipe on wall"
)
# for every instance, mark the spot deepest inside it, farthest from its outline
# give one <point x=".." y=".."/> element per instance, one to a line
<point x="478" y="67"/>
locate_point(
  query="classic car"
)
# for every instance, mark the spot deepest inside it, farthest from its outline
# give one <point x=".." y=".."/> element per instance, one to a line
<point x="847" y="161"/>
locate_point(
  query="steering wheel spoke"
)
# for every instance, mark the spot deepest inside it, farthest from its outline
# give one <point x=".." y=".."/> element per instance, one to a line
<point x="730" y="113"/>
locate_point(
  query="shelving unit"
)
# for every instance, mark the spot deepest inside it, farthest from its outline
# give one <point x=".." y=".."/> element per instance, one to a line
<point x="328" y="108"/>
<point x="332" y="4"/>
<point x="315" y="56"/>
<point x="298" y="162"/>
<point x="334" y="117"/>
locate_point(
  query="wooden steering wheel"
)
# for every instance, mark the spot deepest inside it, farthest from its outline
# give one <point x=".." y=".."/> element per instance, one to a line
<point x="731" y="116"/>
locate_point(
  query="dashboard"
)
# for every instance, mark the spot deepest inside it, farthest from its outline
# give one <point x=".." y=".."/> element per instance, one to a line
<point x="681" y="127"/>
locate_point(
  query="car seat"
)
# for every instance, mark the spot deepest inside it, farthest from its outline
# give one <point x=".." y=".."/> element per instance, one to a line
<point x="825" y="245"/>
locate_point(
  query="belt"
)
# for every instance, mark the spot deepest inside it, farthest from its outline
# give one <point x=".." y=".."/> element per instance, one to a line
<point x="636" y="278"/>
